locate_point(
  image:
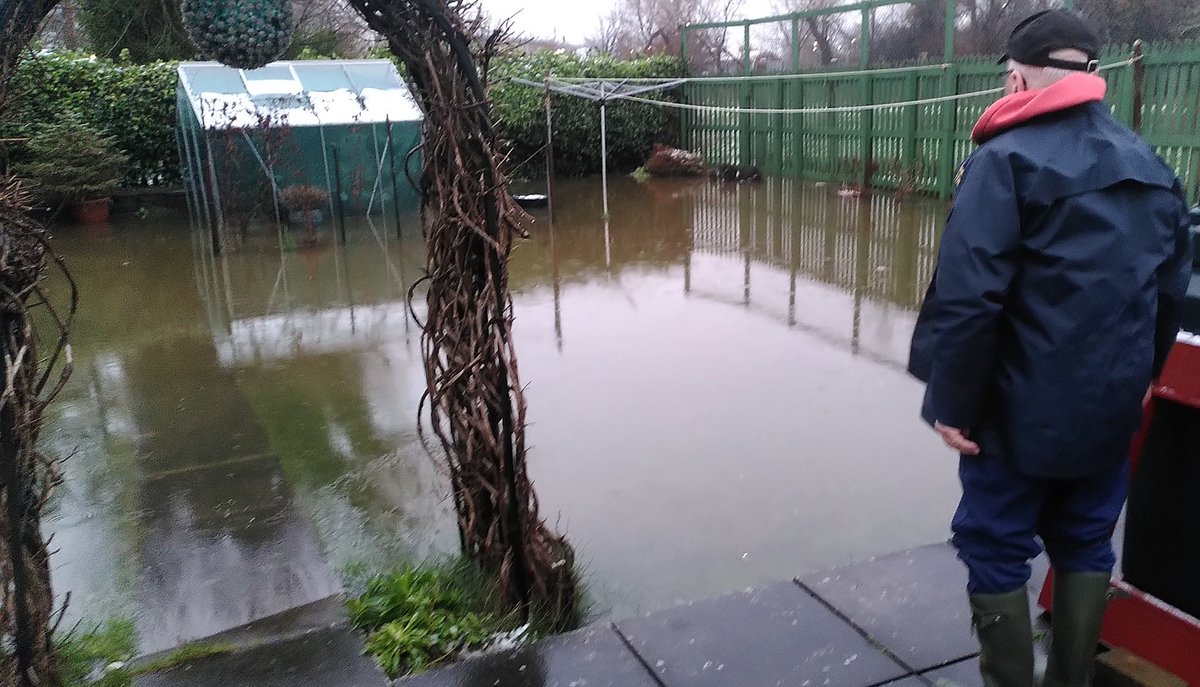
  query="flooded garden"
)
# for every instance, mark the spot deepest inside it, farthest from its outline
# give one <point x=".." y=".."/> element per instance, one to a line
<point x="715" y="379"/>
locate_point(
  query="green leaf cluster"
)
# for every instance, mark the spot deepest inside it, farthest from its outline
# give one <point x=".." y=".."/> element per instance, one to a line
<point x="632" y="127"/>
<point x="71" y="160"/>
<point x="246" y="34"/>
<point x="132" y="103"/>
<point x="419" y="617"/>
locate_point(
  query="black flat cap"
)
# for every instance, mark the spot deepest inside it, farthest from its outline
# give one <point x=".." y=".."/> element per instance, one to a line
<point x="1032" y="41"/>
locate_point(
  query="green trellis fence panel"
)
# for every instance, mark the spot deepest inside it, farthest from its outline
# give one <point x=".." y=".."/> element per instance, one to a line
<point x="919" y="147"/>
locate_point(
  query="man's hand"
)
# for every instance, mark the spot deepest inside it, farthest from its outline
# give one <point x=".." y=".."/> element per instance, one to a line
<point x="957" y="439"/>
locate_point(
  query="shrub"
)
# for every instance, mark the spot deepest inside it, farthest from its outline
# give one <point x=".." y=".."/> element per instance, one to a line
<point x="135" y="104"/>
<point x="70" y="160"/>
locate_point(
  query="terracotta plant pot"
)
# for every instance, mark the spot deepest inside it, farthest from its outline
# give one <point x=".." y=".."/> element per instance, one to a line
<point x="93" y="211"/>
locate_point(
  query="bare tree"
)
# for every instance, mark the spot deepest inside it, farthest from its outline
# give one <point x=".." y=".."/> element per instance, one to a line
<point x="331" y="27"/>
<point x="826" y="37"/>
<point x="1124" y="21"/>
<point x="640" y="27"/>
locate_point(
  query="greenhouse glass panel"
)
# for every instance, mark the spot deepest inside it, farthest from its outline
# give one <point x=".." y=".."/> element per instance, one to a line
<point x="340" y="132"/>
<point x="323" y="77"/>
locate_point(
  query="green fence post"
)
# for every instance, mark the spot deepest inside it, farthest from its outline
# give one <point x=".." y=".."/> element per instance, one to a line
<point x="687" y="122"/>
<point x="947" y="123"/>
<point x="745" y="139"/>
<point x="948" y="48"/>
<point x="777" y="128"/>
<point x="795" y="45"/>
<point x="796" y="122"/>
<point x="908" y="154"/>
<point x="867" y="116"/>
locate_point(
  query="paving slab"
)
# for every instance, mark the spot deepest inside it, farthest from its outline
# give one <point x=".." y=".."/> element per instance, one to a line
<point x="776" y="635"/>
<point x="961" y="674"/>
<point x="913" y="603"/>
<point x="593" y="657"/>
<point x="331" y="657"/>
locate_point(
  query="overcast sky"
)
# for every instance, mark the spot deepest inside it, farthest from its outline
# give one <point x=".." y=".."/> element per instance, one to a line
<point x="576" y="20"/>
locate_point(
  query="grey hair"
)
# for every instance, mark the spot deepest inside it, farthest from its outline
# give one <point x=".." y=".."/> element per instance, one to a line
<point x="1041" y="77"/>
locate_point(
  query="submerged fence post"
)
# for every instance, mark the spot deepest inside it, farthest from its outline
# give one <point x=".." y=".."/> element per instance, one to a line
<point x="604" y="149"/>
<point x="337" y="189"/>
<point x="550" y="152"/>
<point x="391" y="146"/>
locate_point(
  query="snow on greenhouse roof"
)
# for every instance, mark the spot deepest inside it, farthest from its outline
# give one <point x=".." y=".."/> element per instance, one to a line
<point x="301" y="93"/>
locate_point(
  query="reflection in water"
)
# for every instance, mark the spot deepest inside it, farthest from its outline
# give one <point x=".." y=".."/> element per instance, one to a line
<point x="715" y="394"/>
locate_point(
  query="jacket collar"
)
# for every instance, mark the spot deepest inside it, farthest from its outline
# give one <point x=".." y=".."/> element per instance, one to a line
<point x="1014" y="110"/>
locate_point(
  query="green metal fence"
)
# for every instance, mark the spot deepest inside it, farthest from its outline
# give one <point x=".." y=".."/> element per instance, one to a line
<point x="919" y="147"/>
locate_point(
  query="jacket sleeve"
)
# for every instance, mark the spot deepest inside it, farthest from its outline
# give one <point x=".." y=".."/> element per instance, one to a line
<point x="976" y="265"/>
<point x="1173" y="277"/>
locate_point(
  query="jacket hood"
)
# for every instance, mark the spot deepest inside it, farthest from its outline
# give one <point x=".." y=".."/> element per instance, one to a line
<point x="1016" y="109"/>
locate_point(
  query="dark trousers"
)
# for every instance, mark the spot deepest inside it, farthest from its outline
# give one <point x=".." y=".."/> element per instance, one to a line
<point x="1004" y="513"/>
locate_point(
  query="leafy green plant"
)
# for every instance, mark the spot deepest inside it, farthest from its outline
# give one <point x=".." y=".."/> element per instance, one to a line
<point x="419" y="617"/>
<point x="427" y="638"/>
<point x="71" y="160"/>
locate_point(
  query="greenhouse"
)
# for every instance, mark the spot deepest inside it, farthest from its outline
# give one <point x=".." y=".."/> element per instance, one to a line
<point x="300" y="142"/>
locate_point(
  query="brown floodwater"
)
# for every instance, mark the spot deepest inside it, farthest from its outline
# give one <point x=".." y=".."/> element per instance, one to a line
<point x="716" y="389"/>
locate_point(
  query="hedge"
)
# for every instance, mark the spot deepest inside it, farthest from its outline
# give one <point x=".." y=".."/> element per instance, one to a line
<point x="632" y="127"/>
<point x="135" y="103"/>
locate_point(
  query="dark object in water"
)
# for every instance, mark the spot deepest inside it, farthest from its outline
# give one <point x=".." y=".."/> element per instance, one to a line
<point x="532" y="200"/>
<point x="736" y="173"/>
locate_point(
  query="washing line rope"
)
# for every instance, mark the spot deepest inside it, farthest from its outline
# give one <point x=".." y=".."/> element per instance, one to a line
<point x="795" y="111"/>
<point x="761" y="77"/>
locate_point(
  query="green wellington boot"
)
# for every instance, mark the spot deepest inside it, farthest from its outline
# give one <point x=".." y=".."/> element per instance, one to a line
<point x="1079" y="602"/>
<point x="1005" y="638"/>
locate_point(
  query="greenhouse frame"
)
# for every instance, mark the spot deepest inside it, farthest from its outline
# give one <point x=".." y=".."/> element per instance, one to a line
<point x="349" y="128"/>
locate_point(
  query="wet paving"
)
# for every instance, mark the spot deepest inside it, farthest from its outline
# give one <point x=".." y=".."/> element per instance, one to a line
<point x="715" y="380"/>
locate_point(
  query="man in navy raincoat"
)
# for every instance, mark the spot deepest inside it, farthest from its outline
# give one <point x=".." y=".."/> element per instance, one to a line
<point x="1056" y="299"/>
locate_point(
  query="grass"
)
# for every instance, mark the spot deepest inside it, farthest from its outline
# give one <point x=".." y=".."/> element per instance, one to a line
<point x="420" y="617"/>
<point x="83" y="654"/>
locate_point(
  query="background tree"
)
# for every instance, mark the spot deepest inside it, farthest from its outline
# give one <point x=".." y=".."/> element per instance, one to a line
<point x="329" y="28"/>
<point x="649" y="27"/>
<point x="149" y="29"/>
<point x="1124" y="21"/>
<point x="823" y="40"/>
